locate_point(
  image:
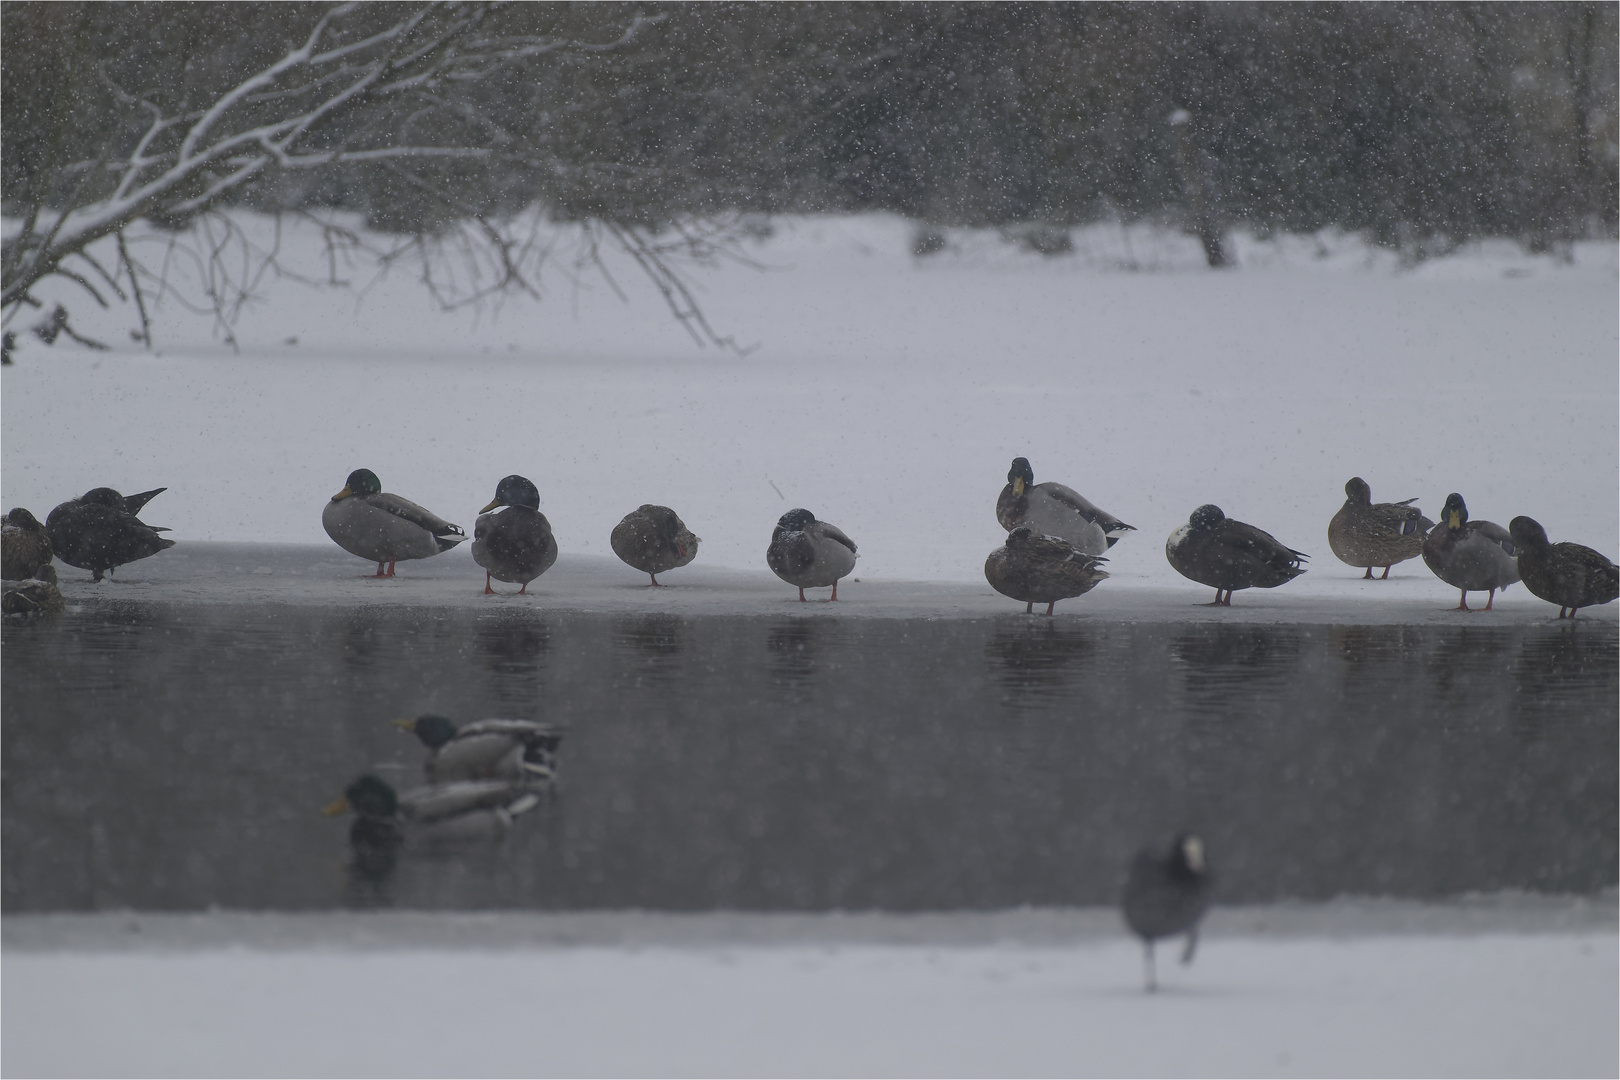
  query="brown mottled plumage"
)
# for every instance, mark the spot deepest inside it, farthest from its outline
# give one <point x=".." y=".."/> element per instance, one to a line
<point x="653" y="539"/>
<point x="1365" y="533"/>
<point x="1572" y="576"/>
<point x="1041" y="569"/>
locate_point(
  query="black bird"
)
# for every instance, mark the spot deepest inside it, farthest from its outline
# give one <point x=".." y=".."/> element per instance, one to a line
<point x="1167" y="893"/>
<point x="1214" y="550"/>
<point x="1572" y="576"/>
<point x="99" y="530"/>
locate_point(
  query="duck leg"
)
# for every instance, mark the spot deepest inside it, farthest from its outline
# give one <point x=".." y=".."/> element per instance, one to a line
<point x="1029" y="608"/>
<point x="654" y="579"/>
<point x="1386" y="573"/>
<point x="523" y="590"/>
<point x="1490" y="599"/>
<point x="487" y="590"/>
<point x="379" y="573"/>
<point x="835" y="592"/>
<point x="391" y="567"/>
<point x="1149" y="982"/>
<point x="1462" y="605"/>
<point x="802" y="600"/>
<point x="1215" y="602"/>
<point x="1049" y="608"/>
<point x="1368" y="575"/>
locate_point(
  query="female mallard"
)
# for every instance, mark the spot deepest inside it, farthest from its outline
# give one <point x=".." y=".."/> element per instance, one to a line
<point x="1470" y="555"/>
<point x="519" y="750"/>
<point x="99" y="531"/>
<point x="516" y="544"/>
<point x="1041" y="569"/>
<point x="368" y="522"/>
<point x="25" y="546"/>
<point x="1214" y="550"/>
<point x="653" y="539"/>
<point x="1572" y="576"/>
<point x="35" y="593"/>
<point x="809" y="553"/>
<point x="1365" y="533"/>
<point x="1166" y="893"/>
<point x="441" y="814"/>
<point x="1051" y="509"/>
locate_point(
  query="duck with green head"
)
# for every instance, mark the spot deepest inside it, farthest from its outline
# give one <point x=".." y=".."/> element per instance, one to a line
<point x="1053" y="509"/>
<point x="465" y="811"/>
<point x="516" y="750"/>
<point x="515" y="545"/>
<point x="366" y="521"/>
<point x="809" y="553"/>
<point x="1470" y="555"/>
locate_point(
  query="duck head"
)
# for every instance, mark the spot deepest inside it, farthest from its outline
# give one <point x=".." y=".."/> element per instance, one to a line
<point x="1020" y="536"/>
<point x="514" y="490"/>
<point x="360" y="482"/>
<point x="795" y="520"/>
<point x="1454" y="515"/>
<point x="103" y="496"/>
<point x="432" y="729"/>
<point x="1527" y="532"/>
<point x="1020" y="476"/>
<point x="1357" y="490"/>
<point x="369" y="796"/>
<point x="1187" y="860"/>
<point x="1205" y="517"/>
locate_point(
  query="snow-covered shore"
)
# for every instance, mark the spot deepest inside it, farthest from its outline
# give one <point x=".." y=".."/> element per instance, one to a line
<point x="1495" y="986"/>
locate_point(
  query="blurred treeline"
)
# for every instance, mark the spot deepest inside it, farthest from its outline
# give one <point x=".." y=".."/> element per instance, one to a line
<point x="1406" y="121"/>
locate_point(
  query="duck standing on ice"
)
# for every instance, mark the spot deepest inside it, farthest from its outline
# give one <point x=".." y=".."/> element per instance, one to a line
<point x="1052" y="509"/>
<point x="809" y="553"/>
<point x="1365" y="533"/>
<point x="99" y="531"/>
<point x="366" y="521"/>
<point x="1227" y="555"/>
<point x="1470" y="555"/>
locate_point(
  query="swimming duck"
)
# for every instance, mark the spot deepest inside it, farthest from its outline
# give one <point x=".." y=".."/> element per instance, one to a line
<point x="515" y="544"/>
<point x="463" y="812"/>
<point x="809" y="553"/>
<point x="1051" y="509"/>
<point x="1572" y="576"/>
<point x="1470" y="555"/>
<point x="653" y="539"/>
<point x="366" y="521"/>
<point x="1365" y="533"/>
<point x="518" y="750"/>
<point x="99" y="531"/>
<point x="1214" y="550"/>
<point x="25" y="546"/>
<point x="36" y="593"/>
<point x="1041" y="569"/>
<point x="1166" y="893"/>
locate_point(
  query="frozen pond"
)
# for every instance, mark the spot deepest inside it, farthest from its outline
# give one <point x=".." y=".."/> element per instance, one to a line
<point x="164" y="755"/>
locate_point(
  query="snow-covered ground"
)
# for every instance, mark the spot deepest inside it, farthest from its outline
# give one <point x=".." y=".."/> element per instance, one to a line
<point x="1517" y="986"/>
<point x="886" y="393"/>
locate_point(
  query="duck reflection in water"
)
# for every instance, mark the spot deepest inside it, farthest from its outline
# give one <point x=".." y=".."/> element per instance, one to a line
<point x="796" y="647"/>
<point x="436" y="817"/>
<point x="1036" y="658"/>
<point x="649" y="647"/>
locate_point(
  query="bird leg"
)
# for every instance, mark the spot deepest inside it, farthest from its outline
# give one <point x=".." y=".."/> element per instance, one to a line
<point x="391" y="567"/>
<point x="1050" y="606"/>
<point x="1149" y="982"/>
<point x="654" y="579"/>
<point x="379" y="573"/>
<point x="1490" y="598"/>
<point x="1368" y="575"/>
<point x="835" y="592"/>
<point x="802" y="600"/>
<point x="1215" y="602"/>
<point x="1192" y="945"/>
<point x="1029" y="608"/>
<point x="487" y="590"/>
<point x="1462" y="605"/>
<point x="523" y="590"/>
<point x="1384" y="578"/>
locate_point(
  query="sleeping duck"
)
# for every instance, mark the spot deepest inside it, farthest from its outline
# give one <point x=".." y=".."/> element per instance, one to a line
<point x="25" y="546"/>
<point x="516" y="544"/>
<point x="99" y="531"/>
<point x="1214" y="550"/>
<point x="34" y="594"/>
<point x="464" y="812"/>
<point x="1470" y="555"/>
<point x="1365" y="533"/>
<point x="1041" y="569"/>
<point x="653" y="539"/>
<point x="517" y="750"/>
<point x="1572" y="576"/>
<point x="368" y="522"/>
<point x="1051" y="509"/>
<point x="809" y="553"/>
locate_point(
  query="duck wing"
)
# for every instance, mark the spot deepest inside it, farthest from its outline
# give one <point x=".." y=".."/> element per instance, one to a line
<point x="419" y="516"/>
<point x="831" y="532"/>
<point x="1392" y="521"/>
<point x="1589" y="577"/>
<point x="1084" y="507"/>
<point x="1259" y="547"/>
<point x="133" y="503"/>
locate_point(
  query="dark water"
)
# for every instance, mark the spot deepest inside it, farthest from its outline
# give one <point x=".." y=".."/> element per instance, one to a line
<point x="177" y="757"/>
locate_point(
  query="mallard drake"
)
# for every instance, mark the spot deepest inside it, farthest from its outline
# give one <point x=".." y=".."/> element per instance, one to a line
<point x="463" y="812"/>
<point x="25" y="546"/>
<point x="1365" y="533"/>
<point x="1572" y="576"/>
<point x="366" y="521"/>
<point x="1051" y="509"/>
<point x="1214" y="550"/>
<point x="516" y="544"/>
<point x="518" y="750"/>
<point x="1166" y="893"/>
<point x="1041" y="569"/>
<point x="653" y="539"/>
<point x="809" y="553"/>
<point x="1470" y="555"/>
<point x="36" y="593"/>
<point x="99" y="532"/>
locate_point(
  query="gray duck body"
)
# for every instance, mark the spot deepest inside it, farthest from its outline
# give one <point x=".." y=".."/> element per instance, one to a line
<point x="364" y="520"/>
<point x="1053" y="509"/>
<point x="1214" y="550"/>
<point x="809" y="553"/>
<point x="653" y="539"/>
<point x="1570" y="575"/>
<point x="1474" y="556"/>
<point x="515" y="544"/>
<point x="494" y="749"/>
<point x="1041" y="569"/>
<point x="98" y="532"/>
<point x="25" y="546"/>
<point x="1369" y="534"/>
